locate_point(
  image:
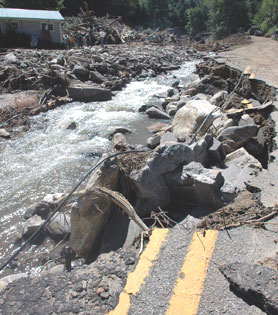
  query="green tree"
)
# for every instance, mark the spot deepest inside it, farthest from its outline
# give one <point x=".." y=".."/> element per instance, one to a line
<point x="34" y="4"/>
<point x="195" y="21"/>
<point x="226" y="16"/>
<point x="267" y="16"/>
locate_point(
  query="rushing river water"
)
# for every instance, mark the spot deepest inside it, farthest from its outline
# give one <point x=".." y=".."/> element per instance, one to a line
<point x="49" y="158"/>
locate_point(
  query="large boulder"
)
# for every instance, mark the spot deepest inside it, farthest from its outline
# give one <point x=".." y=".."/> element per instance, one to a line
<point x="149" y="182"/>
<point x="87" y="93"/>
<point x="241" y="167"/>
<point x="91" y="211"/>
<point x="190" y="117"/>
<point x="196" y="185"/>
<point x="235" y="137"/>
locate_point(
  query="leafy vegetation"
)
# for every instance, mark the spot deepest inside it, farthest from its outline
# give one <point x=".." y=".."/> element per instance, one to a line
<point x="221" y="17"/>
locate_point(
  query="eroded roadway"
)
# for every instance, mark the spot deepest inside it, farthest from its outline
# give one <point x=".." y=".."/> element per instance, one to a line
<point x="178" y="272"/>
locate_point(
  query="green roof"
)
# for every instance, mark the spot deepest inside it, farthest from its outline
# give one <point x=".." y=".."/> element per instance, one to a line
<point x="20" y="14"/>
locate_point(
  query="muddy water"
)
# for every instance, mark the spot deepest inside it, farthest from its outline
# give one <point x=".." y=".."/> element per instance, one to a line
<point x="49" y="158"/>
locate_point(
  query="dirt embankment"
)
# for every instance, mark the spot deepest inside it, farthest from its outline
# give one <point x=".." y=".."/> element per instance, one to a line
<point x="258" y="57"/>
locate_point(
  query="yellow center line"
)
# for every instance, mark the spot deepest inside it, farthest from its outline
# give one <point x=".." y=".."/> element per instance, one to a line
<point x="189" y="286"/>
<point x="137" y="278"/>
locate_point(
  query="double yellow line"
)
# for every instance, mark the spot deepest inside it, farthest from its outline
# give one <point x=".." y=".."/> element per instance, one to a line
<point x="190" y="282"/>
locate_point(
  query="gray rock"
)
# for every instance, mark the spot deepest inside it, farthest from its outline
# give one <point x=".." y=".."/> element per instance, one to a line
<point x="61" y="60"/>
<point x="246" y="120"/>
<point x="53" y="199"/>
<point x="171" y="109"/>
<point x="41" y="209"/>
<point x="96" y="77"/>
<point x="81" y="73"/>
<point x="157" y="113"/>
<point x="196" y="185"/>
<point x="168" y="137"/>
<point x="240" y="167"/>
<point x="87" y="93"/>
<point x="153" y="141"/>
<point x="235" y="137"/>
<point x="4" y="133"/>
<point x="255" y="284"/>
<point x="119" y="142"/>
<point x="122" y="130"/>
<point x="201" y="96"/>
<point x="31" y="225"/>
<point x="57" y="270"/>
<point x="14" y="277"/>
<point x="181" y="103"/>
<point x="216" y="153"/>
<point x="218" y="97"/>
<point x="149" y="182"/>
<point x="59" y="227"/>
<point x="157" y="127"/>
<point x="91" y="211"/>
<point x="190" y="117"/>
<point x="71" y="125"/>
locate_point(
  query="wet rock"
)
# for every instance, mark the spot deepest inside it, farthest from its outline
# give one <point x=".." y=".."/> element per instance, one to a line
<point x="240" y="167"/>
<point x="157" y="113"/>
<point x="91" y="211"/>
<point x="122" y="130"/>
<point x="255" y="284"/>
<point x="235" y="137"/>
<point x="86" y="93"/>
<point x="144" y="108"/>
<point x="119" y="142"/>
<point x="4" y="133"/>
<point x="171" y="109"/>
<point x="41" y="209"/>
<point x="59" y="227"/>
<point x="71" y="125"/>
<point x="153" y="141"/>
<point x="31" y="225"/>
<point x="190" y="117"/>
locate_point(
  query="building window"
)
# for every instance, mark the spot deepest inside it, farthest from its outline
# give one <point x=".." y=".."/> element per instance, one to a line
<point x="14" y="26"/>
<point x="47" y="27"/>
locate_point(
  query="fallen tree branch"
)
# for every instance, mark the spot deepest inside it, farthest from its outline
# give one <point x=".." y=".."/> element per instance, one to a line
<point x="119" y="200"/>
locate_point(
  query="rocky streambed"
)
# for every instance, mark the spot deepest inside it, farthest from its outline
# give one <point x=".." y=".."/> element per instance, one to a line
<point x="218" y="134"/>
